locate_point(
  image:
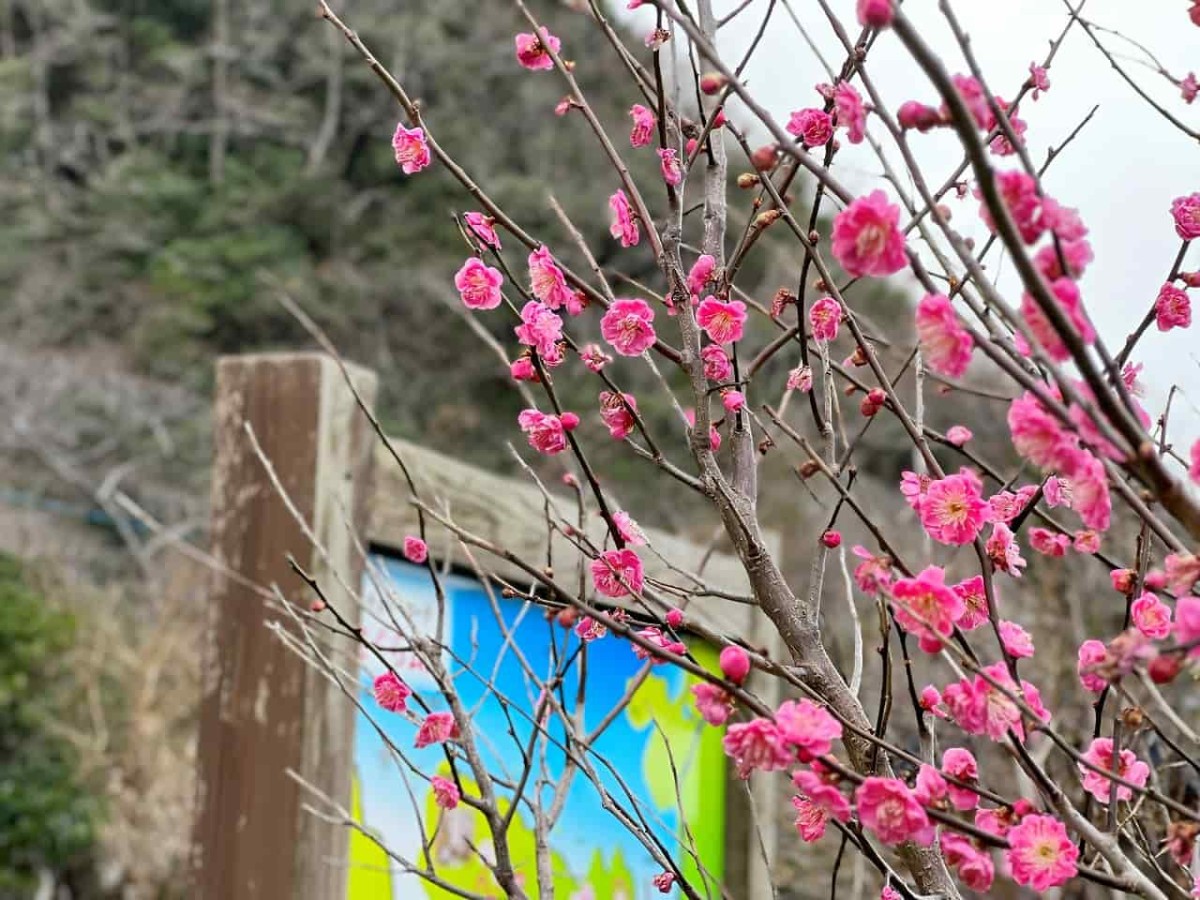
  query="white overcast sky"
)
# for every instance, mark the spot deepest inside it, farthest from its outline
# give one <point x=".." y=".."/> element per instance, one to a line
<point x="1121" y="172"/>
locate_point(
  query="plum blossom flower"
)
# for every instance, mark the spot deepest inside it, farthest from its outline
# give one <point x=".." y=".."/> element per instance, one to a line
<point x="632" y="534"/>
<point x="946" y="344"/>
<point x="1004" y="551"/>
<point x="415" y="550"/>
<point x="1086" y="541"/>
<point x="391" y="693"/>
<point x="590" y="629"/>
<point x="1048" y="543"/>
<point x="927" y="606"/>
<point x="717" y="365"/>
<point x="931" y="701"/>
<point x="1039" y="79"/>
<point x="732" y="400"/>
<point x="523" y="369"/>
<point x="547" y="433"/>
<point x="445" y="792"/>
<point x="628" y="326"/>
<point x="914" y="487"/>
<point x="801" y="378"/>
<point x="1183" y="569"/>
<point x="700" y="273"/>
<point x="1076" y="254"/>
<point x="437" y="728"/>
<point x="890" y="893"/>
<point x="1038" y="436"/>
<point x="850" y="111"/>
<point x="930" y="787"/>
<point x="410" y="149"/>
<point x="875" y="13"/>
<point x="1187" y="623"/>
<point x="643" y="126"/>
<point x="959" y="435"/>
<point x="866" y="236"/>
<point x="1172" y="309"/>
<point x="546" y="279"/>
<point x="478" y="284"/>
<point x="617" y="412"/>
<point x="735" y="663"/>
<point x="1066" y="292"/>
<point x="1016" y="640"/>
<point x="1189" y="87"/>
<point x="824" y="317"/>
<point x="1001" y="145"/>
<point x="616" y="573"/>
<point x="624" y="225"/>
<point x="664" y="881"/>
<point x="973" y="864"/>
<point x="1100" y="754"/>
<point x="484" y="228"/>
<point x="1151" y="616"/>
<point x="982" y="706"/>
<point x="887" y="807"/>
<point x="811" y="819"/>
<point x="1089" y="487"/>
<point x="974" y="598"/>
<point x="953" y="510"/>
<point x="532" y="52"/>
<point x="594" y="357"/>
<point x="668" y="163"/>
<point x="1004" y="506"/>
<point x="714" y="704"/>
<point x="807" y="727"/>
<point x="1186" y="213"/>
<point x="722" y="322"/>
<point x="756" y="744"/>
<point x="959" y="762"/>
<point x="912" y="114"/>
<point x="973" y="96"/>
<point x="813" y="126"/>
<point x="1018" y="190"/>
<point x="873" y="573"/>
<point x="654" y="635"/>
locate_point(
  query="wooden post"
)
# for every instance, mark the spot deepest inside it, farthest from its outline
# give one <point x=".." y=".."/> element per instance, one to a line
<point x="265" y="710"/>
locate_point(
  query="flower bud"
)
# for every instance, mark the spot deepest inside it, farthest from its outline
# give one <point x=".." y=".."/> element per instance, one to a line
<point x="712" y="83"/>
<point x="832" y="538"/>
<point x="1164" y="667"/>
<point x="764" y="158"/>
<point x="735" y="664"/>
<point x="808" y="469"/>
<point x="747" y="180"/>
<point x="675" y="617"/>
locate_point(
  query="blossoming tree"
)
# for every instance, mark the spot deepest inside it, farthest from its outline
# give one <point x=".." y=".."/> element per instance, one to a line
<point x="937" y="816"/>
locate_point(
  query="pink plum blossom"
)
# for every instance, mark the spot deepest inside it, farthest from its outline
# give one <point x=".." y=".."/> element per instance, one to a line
<point x="813" y="126"/>
<point x="717" y="365"/>
<point x="410" y="149"/>
<point x="926" y="605"/>
<point x="1186" y="213"/>
<point x="617" y="412"/>
<point x="1039" y="79"/>
<point x="547" y="433"/>
<point x="1070" y="303"/>
<point x="1016" y="640"/>
<point x="714" y="704"/>
<point x="478" y="284"/>
<point x="546" y="279"/>
<point x="735" y="663"/>
<point x="875" y="13"/>
<point x="953" y="510"/>
<point x="532" y="50"/>
<point x="959" y="435"/>
<point x="437" y="728"/>
<point x="1151" y="616"/>
<point x="945" y="344"/>
<point x="723" y="322"/>
<point x="1048" y="543"/>
<point x="624" y="225"/>
<point x="643" y="126"/>
<point x="888" y="808"/>
<point x="866" y="237"/>
<point x="628" y="326"/>
<point x="1004" y="551"/>
<point x="668" y="163"/>
<point x="756" y="745"/>
<point x="700" y="273"/>
<point x="800" y="379"/>
<point x="617" y="573"/>
<point x="959" y="762"/>
<point x="1172" y="309"/>
<point x="1019" y="193"/>
<point x="594" y="357"/>
<point x="484" y="228"/>
<point x="1130" y="768"/>
<point x="445" y="792"/>
<point x="824" y="316"/>
<point x="849" y="111"/>
<point x="975" y="607"/>
<point x="415" y="549"/>
<point x="807" y="727"/>
<point x="391" y="693"/>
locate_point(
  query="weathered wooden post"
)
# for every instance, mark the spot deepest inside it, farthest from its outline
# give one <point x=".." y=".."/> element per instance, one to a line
<point x="266" y="711"/>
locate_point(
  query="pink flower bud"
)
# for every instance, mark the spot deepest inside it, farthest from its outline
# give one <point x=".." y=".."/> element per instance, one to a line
<point x="712" y="83"/>
<point x="1164" y="668"/>
<point x="917" y="115"/>
<point x="875" y="13"/>
<point x="719" y="118"/>
<point x="690" y="147"/>
<point x="832" y="538"/>
<point x="415" y="550"/>
<point x="733" y="400"/>
<point x="1156" y="580"/>
<point x="735" y="664"/>
<point x="569" y="421"/>
<point x="764" y="158"/>
<point x="675" y="617"/>
<point x="1122" y="580"/>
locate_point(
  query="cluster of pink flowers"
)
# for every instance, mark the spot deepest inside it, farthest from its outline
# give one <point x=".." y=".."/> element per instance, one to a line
<point x="617" y="573"/>
<point x="867" y="239"/>
<point x="983" y="705"/>
<point x="946" y="344"/>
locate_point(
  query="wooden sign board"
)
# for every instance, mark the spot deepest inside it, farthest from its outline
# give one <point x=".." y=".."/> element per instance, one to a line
<point x="266" y="710"/>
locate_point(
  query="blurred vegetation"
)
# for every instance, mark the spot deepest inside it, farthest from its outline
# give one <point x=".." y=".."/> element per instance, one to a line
<point x="48" y="818"/>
